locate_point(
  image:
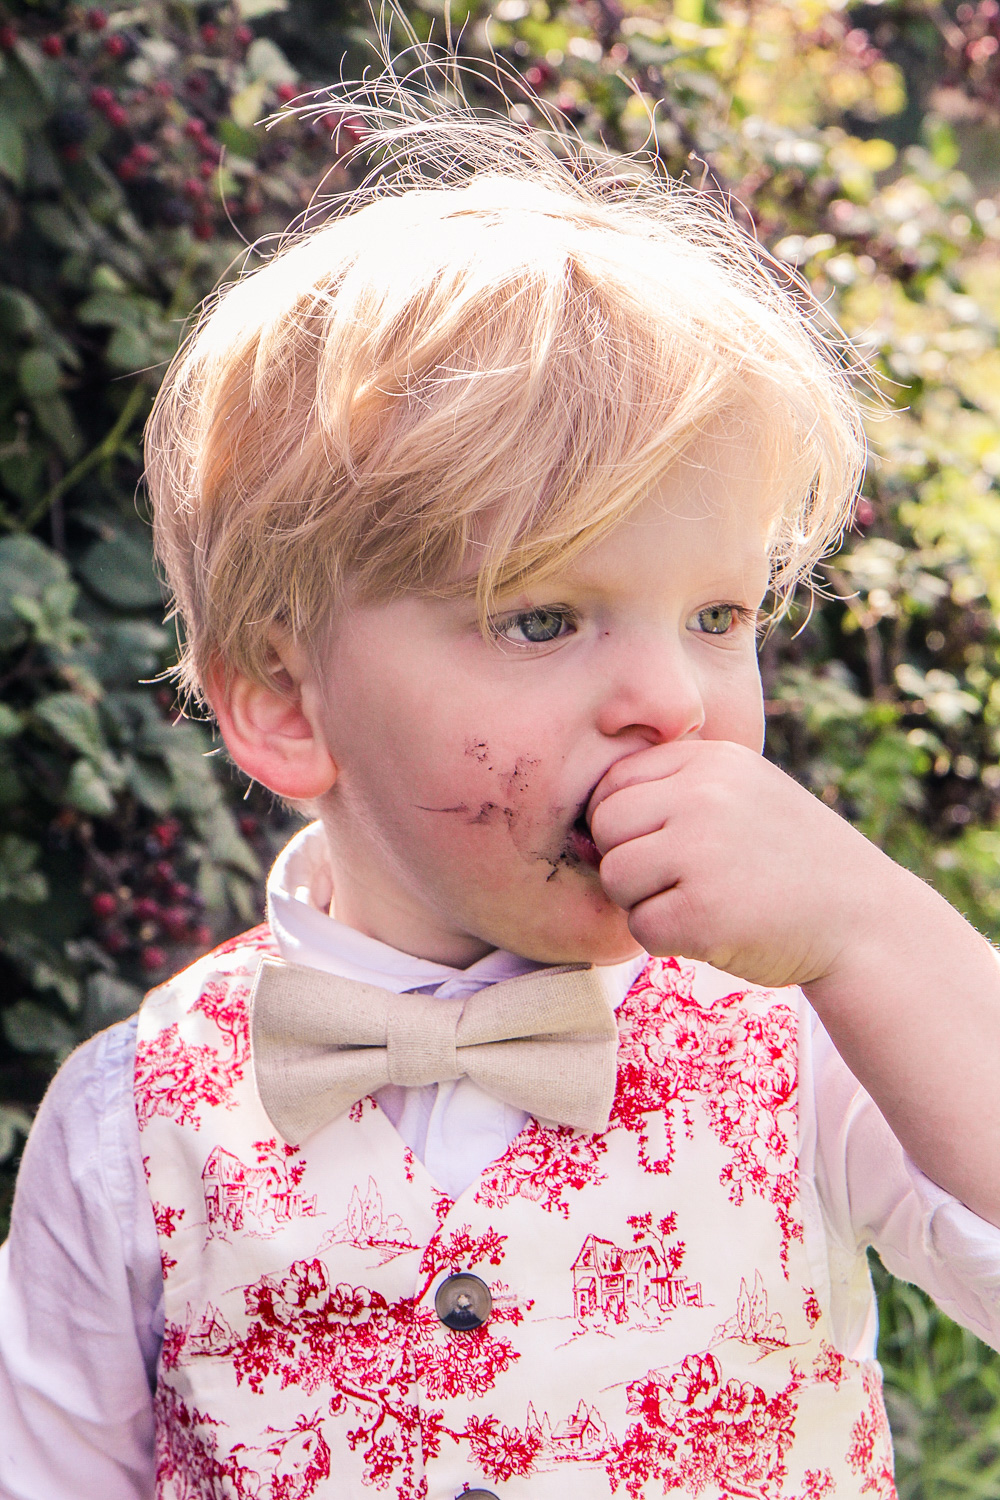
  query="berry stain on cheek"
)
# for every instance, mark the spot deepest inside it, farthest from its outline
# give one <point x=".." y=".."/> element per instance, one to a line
<point x="562" y="848"/>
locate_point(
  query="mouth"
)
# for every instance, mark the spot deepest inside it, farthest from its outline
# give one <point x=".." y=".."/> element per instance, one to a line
<point x="580" y="841"/>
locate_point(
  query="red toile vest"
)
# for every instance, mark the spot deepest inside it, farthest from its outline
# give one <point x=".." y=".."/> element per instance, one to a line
<point x="656" y="1327"/>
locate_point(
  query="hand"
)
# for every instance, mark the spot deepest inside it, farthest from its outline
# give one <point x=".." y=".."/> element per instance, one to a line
<point x="718" y="855"/>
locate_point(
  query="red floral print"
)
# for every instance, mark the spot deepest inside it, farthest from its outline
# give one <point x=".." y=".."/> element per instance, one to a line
<point x="366" y="1355"/>
<point x="870" y="1453"/>
<point x="289" y="1467"/>
<point x="697" y="1432"/>
<point x="543" y="1165"/>
<point x="830" y="1365"/>
<point x="176" y="1078"/>
<point x="735" y="1059"/>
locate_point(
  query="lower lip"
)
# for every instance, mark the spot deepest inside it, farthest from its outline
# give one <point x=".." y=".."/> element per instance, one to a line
<point x="584" y="848"/>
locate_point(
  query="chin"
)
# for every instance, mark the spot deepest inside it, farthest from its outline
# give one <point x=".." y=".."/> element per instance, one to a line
<point x="597" y="943"/>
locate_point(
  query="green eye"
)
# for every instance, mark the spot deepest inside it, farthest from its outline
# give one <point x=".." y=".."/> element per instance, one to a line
<point x="717" y="619"/>
<point x="534" y="627"/>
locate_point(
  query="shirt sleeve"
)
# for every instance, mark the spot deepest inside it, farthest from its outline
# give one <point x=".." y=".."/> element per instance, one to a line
<point x="872" y="1194"/>
<point x="81" y="1293"/>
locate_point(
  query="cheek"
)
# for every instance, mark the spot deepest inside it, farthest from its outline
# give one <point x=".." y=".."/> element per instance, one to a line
<point x="737" y="710"/>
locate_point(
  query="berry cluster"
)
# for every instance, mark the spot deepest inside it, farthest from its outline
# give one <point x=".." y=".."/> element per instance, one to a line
<point x="153" y="99"/>
<point x="974" y="52"/>
<point x="139" y="902"/>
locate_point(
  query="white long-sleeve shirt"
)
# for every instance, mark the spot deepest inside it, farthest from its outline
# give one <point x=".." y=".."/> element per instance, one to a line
<point x="81" y="1311"/>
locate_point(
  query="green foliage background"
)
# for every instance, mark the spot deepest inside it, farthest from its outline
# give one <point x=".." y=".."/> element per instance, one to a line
<point x="860" y="142"/>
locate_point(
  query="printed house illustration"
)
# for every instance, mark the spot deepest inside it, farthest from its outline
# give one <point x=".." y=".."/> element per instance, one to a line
<point x="620" y="1282"/>
<point x="235" y="1192"/>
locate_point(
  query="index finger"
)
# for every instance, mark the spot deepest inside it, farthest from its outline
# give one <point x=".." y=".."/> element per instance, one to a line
<point x="654" y="763"/>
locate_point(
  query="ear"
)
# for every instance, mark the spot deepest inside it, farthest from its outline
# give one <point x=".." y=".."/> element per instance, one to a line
<point x="274" y="733"/>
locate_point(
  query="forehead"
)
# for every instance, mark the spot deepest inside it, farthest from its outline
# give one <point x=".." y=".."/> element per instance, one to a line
<point x="709" y="516"/>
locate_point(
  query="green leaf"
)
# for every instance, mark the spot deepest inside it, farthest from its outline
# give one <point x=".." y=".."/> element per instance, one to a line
<point x="51" y="618"/>
<point x="129" y="349"/>
<point x="21" y="99"/>
<point x="120" y="571"/>
<point x="38" y="373"/>
<point x="251" y="9"/>
<point x="27" y="569"/>
<point x="108" y="999"/>
<point x="941" y="142"/>
<point x="58" y="226"/>
<point x="10" y="722"/>
<point x="13" y="156"/>
<point x="238" y="136"/>
<point x="29" y="1027"/>
<point x="75" y="721"/>
<point x="54" y="416"/>
<point x="19" y="315"/>
<point x="110" y="308"/>
<point x="88" y="791"/>
<point x="267" y="61"/>
<point x="150" y="783"/>
<point x="14" y="1123"/>
<point x="19" y="880"/>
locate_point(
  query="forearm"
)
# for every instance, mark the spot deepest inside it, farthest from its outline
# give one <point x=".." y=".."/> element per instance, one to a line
<point x="913" y="1006"/>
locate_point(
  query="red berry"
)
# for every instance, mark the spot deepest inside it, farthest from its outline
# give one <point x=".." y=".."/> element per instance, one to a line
<point x="174" y="921"/>
<point x="146" y="909"/>
<point x="52" y="45"/>
<point x="114" y="941"/>
<point x="209" y="34"/>
<point x="864" y="513"/>
<point x="163" y="871"/>
<point x="103" y="905"/>
<point x="195" y="128"/>
<point x="116" y="47"/>
<point x="167" y="831"/>
<point x="126" y="170"/>
<point x="197" y="84"/>
<point x="206" y="169"/>
<point x="202" y="935"/>
<point x="8" y="38"/>
<point x="162" y="89"/>
<point x="143" y="155"/>
<point x="204" y="229"/>
<point x="101" y="98"/>
<point x="210" y="149"/>
<point x="248" y="825"/>
<point x="96" y="18"/>
<point x="243" y="36"/>
<point x="286" y="91"/>
<point x="71" y="153"/>
<point x="194" y="187"/>
<point x="153" y="957"/>
<point x="116" y="115"/>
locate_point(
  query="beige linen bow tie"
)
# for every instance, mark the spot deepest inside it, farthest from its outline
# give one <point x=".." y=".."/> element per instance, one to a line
<point x="545" y="1041"/>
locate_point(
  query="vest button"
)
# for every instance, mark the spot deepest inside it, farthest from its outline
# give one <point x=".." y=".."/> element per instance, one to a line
<point x="463" y="1302"/>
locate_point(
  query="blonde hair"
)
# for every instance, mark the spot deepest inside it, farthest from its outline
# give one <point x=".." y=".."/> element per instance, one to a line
<point x="485" y="347"/>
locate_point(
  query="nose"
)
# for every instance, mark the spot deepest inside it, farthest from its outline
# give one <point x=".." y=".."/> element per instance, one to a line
<point x="651" y="693"/>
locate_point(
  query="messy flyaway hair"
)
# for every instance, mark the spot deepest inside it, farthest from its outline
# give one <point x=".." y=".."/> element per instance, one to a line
<point x="471" y="369"/>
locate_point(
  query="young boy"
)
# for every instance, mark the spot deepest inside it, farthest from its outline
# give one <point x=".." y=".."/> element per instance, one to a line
<point x="439" y="1185"/>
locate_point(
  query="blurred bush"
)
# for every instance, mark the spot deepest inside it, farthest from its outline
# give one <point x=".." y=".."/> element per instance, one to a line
<point x="861" y="145"/>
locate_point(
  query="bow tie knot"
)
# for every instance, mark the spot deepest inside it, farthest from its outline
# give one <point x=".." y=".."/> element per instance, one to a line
<point x="545" y="1042"/>
<point x="421" y="1041"/>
